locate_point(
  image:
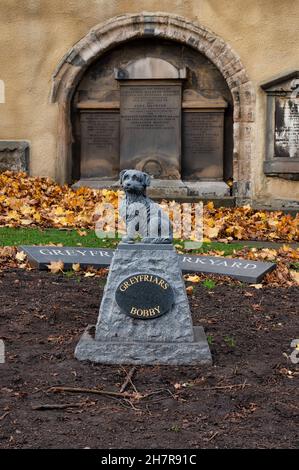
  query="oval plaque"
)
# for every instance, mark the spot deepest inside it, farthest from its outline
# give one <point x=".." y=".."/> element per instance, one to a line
<point x="144" y="296"/>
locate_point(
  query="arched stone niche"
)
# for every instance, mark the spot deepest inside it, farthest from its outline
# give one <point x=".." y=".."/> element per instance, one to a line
<point x="93" y="57"/>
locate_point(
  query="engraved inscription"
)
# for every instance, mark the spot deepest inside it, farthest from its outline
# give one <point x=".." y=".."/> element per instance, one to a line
<point x="151" y="107"/>
<point x="100" y="144"/>
<point x="286" y="128"/>
<point x="144" y="296"/>
<point x="151" y="127"/>
<point x="202" y="144"/>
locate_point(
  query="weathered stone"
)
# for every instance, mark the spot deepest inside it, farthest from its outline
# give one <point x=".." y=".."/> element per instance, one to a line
<point x="41" y="256"/>
<point x="168" y="339"/>
<point x="144" y="353"/>
<point x="172" y="27"/>
<point x="14" y="155"/>
<point x="208" y="189"/>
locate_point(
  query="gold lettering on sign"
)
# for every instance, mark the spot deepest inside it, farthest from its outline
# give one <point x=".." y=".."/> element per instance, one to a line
<point x="143" y="278"/>
<point x="146" y="312"/>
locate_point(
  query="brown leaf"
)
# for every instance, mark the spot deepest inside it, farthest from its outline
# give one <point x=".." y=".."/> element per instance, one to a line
<point x="56" y="266"/>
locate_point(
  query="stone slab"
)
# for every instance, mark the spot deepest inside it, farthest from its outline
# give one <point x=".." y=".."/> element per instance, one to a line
<point x="243" y="270"/>
<point x="14" y="155"/>
<point x="100" y="143"/>
<point x="170" y="353"/>
<point x="202" y="144"/>
<point x="207" y="189"/>
<point x="150" y="128"/>
<point x="40" y="256"/>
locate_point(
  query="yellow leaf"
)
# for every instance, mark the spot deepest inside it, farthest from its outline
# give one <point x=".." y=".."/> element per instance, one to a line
<point x="194" y="279"/>
<point x="82" y="233"/>
<point x="211" y="232"/>
<point x="76" y="267"/>
<point x="56" y="266"/>
<point x="88" y="274"/>
<point x="295" y="275"/>
<point x="26" y="221"/>
<point x="59" y="211"/>
<point x="21" y="256"/>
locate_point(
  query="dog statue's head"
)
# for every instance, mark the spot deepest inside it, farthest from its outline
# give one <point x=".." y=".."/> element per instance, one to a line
<point x="134" y="181"/>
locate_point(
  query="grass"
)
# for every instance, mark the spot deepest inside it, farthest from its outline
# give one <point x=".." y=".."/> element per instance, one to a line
<point x="295" y="266"/>
<point x="10" y="236"/>
<point x="209" y="284"/>
<point x="31" y="236"/>
<point x="230" y="341"/>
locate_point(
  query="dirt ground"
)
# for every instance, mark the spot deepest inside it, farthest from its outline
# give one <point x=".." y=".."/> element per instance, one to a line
<point x="249" y="398"/>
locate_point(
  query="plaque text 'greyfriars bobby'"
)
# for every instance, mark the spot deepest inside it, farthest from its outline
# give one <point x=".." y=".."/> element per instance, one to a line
<point x="144" y="296"/>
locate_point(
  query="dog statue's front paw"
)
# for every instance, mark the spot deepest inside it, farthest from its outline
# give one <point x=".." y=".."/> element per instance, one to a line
<point x="156" y="241"/>
<point x="127" y="239"/>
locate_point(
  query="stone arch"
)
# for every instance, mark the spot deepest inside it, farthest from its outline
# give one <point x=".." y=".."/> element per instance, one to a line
<point x="123" y="28"/>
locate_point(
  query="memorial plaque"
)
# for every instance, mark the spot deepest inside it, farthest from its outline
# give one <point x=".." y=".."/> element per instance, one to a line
<point x="202" y="145"/>
<point x="144" y="296"/>
<point x="242" y="269"/>
<point x="151" y="128"/>
<point x="99" y="144"/>
<point x="286" y="141"/>
<point x="41" y="256"/>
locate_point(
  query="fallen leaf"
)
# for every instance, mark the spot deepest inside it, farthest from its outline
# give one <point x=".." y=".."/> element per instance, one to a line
<point x="21" y="256"/>
<point x="56" y="266"/>
<point x="248" y="294"/>
<point x="189" y="290"/>
<point x="88" y="274"/>
<point x="294" y="275"/>
<point x="194" y="279"/>
<point x="82" y="233"/>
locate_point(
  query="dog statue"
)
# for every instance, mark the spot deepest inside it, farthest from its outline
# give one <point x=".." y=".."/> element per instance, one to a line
<point x="143" y="217"/>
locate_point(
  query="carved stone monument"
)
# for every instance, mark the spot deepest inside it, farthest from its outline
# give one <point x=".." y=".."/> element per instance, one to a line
<point x="144" y="315"/>
<point x="162" y="110"/>
<point x="282" y="145"/>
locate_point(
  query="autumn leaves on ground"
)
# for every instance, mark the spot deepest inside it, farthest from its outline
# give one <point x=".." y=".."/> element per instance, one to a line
<point x="245" y="399"/>
<point x="41" y="203"/>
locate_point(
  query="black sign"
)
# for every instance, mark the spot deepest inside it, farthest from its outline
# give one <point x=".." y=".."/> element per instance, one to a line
<point x="144" y="296"/>
<point x="242" y="269"/>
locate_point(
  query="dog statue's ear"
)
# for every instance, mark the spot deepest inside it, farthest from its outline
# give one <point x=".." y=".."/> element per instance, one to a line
<point x="121" y="175"/>
<point x="147" y="179"/>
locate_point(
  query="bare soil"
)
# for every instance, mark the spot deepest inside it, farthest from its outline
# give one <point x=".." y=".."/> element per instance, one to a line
<point x="249" y="398"/>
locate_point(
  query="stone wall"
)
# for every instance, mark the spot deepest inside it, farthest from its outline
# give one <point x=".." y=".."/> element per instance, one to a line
<point x="36" y="34"/>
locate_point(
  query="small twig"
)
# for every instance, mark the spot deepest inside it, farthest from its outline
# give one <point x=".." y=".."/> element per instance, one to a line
<point x="213" y="435"/>
<point x="4" y="416"/>
<point x="220" y="387"/>
<point x="155" y="392"/>
<point x="244" y="384"/>
<point x="129" y="380"/>
<point x="91" y="390"/>
<point x="132" y="405"/>
<point x="57" y="406"/>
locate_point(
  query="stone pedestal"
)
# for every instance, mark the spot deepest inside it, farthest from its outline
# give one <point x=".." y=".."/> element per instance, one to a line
<point x="168" y="339"/>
